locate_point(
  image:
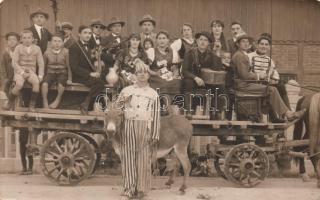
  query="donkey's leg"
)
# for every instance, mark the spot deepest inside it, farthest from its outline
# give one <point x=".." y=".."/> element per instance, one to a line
<point x="316" y="164"/>
<point x="181" y="152"/>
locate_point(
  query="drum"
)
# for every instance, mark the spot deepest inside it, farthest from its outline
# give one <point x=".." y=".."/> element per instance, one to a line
<point x="211" y="77"/>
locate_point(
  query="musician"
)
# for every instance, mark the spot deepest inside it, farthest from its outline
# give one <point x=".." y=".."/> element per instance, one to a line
<point x="115" y="38"/>
<point x="243" y="73"/>
<point x="261" y="63"/>
<point x="68" y="39"/>
<point x="147" y="25"/>
<point x="97" y="29"/>
<point x="194" y="60"/>
<point x="40" y="33"/>
<point x="186" y="42"/>
<point x="82" y="67"/>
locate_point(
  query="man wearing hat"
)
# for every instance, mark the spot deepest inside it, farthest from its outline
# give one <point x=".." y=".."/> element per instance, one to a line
<point x="194" y="60"/>
<point x="67" y="33"/>
<point x="147" y="24"/>
<point x="97" y="29"/>
<point x="40" y="33"/>
<point x="115" y="41"/>
<point x="243" y="73"/>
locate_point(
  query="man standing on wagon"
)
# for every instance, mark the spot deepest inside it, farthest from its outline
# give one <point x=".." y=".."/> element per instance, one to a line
<point x="147" y="24"/>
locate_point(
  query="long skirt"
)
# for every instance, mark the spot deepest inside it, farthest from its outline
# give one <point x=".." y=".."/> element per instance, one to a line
<point x="135" y="157"/>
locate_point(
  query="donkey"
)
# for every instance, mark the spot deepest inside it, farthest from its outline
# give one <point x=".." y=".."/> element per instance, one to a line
<point x="312" y="126"/>
<point x="175" y="134"/>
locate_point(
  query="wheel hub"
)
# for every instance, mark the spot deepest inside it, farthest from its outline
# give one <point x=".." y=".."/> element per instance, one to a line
<point x="66" y="160"/>
<point x="246" y="165"/>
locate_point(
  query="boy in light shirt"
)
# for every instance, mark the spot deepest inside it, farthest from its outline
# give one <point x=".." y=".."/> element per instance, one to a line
<point x="26" y="57"/>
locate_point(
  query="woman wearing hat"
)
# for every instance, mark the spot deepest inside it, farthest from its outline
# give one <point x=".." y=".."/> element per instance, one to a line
<point x="184" y="44"/>
<point x="243" y="73"/>
<point x="219" y="41"/>
<point x="126" y="59"/>
<point x="147" y="24"/>
<point x="41" y="35"/>
<point x="165" y="73"/>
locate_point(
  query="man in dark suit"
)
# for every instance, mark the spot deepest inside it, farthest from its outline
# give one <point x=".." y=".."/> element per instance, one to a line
<point x="194" y="60"/>
<point x="68" y="39"/>
<point x="97" y="29"/>
<point x="40" y="33"/>
<point x="115" y="39"/>
<point x="236" y="30"/>
<point x="82" y="67"/>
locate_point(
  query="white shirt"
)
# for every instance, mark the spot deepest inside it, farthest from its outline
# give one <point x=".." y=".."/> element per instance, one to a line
<point x="97" y="40"/>
<point x="38" y="29"/>
<point x="151" y="55"/>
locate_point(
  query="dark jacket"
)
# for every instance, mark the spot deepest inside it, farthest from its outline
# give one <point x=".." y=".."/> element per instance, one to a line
<point x="46" y="37"/>
<point x="69" y="42"/>
<point x="111" y="40"/>
<point x="79" y="64"/>
<point x="194" y="61"/>
<point x="92" y="42"/>
<point x="232" y="47"/>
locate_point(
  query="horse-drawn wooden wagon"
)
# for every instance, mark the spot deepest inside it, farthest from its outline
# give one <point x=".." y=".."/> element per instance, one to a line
<point x="71" y="155"/>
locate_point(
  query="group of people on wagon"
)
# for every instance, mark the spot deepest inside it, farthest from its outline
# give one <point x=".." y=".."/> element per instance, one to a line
<point x="175" y="66"/>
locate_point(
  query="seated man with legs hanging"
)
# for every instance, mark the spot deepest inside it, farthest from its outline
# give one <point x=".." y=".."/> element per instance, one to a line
<point x="195" y="60"/>
<point x="246" y="81"/>
<point x="83" y="70"/>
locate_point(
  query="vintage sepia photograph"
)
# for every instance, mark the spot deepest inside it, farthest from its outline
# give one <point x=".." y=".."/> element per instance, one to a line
<point x="159" y="99"/>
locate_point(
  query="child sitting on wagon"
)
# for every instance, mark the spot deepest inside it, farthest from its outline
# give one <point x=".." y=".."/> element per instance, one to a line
<point x="26" y="57"/>
<point x="6" y="70"/>
<point x="57" y="69"/>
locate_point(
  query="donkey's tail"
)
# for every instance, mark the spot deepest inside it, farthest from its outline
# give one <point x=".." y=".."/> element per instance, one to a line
<point x="314" y="123"/>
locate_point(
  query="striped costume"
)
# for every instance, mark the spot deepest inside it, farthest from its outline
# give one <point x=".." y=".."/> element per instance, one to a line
<point x="261" y="64"/>
<point x="141" y="123"/>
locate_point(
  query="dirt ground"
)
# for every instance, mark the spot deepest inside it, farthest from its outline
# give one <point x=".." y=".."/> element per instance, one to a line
<point x="37" y="187"/>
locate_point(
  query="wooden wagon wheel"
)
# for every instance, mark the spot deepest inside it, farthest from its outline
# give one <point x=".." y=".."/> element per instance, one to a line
<point x="67" y="158"/>
<point x="219" y="165"/>
<point x="246" y="165"/>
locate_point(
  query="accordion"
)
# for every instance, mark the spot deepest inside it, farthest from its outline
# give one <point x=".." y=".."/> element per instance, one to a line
<point x="211" y="77"/>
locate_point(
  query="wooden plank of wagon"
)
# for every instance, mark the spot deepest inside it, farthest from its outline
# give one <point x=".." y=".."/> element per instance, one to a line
<point x="52" y="116"/>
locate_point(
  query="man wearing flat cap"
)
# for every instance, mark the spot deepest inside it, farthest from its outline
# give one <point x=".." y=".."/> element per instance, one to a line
<point x="194" y="61"/>
<point x="115" y="41"/>
<point x="40" y="33"/>
<point x="68" y="39"/>
<point x="97" y="29"/>
<point x="147" y="25"/>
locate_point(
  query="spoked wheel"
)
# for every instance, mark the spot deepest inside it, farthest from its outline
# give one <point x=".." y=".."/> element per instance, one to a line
<point x="219" y="165"/>
<point x="67" y="158"/>
<point x="246" y="165"/>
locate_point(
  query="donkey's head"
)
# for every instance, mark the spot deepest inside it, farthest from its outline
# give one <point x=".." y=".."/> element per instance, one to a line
<point x="113" y="120"/>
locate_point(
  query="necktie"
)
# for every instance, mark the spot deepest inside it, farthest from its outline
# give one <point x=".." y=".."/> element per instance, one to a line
<point x="85" y="46"/>
<point x="42" y="33"/>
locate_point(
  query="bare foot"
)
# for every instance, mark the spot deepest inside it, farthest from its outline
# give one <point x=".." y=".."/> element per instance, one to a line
<point x="54" y="105"/>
